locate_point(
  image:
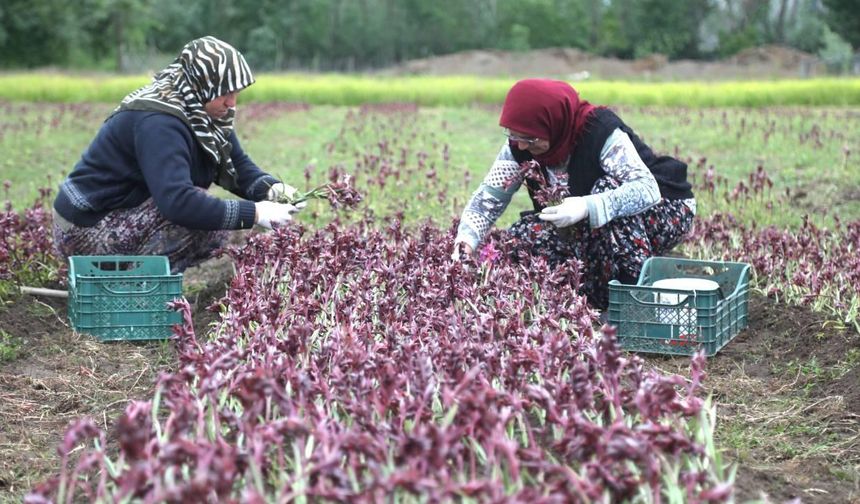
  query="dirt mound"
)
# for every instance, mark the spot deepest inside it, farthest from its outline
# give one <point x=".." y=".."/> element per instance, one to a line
<point x="573" y="64"/>
<point x="774" y="55"/>
<point x="496" y="62"/>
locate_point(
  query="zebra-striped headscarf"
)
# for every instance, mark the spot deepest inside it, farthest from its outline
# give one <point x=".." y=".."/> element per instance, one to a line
<point x="205" y="69"/>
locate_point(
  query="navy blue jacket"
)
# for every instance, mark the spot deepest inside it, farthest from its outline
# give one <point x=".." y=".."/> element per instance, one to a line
<point x="140" y="154"/>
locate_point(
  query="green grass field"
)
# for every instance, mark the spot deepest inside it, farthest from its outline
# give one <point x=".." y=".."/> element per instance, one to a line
<point x="775" y="407"/>
<point x="810" y="152"/>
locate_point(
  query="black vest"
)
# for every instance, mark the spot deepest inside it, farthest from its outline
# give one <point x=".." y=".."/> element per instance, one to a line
<point x="584" y="167"/>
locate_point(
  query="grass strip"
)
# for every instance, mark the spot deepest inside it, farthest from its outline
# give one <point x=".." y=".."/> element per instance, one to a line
<point x="339" y="89"/>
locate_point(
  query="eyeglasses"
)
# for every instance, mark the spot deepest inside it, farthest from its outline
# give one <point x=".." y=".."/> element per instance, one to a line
<point x="517" y="138"/>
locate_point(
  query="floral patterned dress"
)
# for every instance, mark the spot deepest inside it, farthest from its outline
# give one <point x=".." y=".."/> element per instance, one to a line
<point x="139" y="231"/>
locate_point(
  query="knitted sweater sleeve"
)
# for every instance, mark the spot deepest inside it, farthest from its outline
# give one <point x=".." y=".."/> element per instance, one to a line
<point x="163" y="147"/>
<point x="638" y="190"/>
<point x="490" y="200"/>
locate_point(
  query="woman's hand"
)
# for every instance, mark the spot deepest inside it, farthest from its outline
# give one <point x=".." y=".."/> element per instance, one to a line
<point x="270" y="213"/>
<point x="461" y="249"/>
<point x="281" y="190"/>
<point x="568" y="213"/>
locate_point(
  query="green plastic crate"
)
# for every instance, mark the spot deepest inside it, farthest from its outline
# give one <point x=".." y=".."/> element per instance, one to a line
<point x="706" y="319"/>
<point x="123" y="297"/>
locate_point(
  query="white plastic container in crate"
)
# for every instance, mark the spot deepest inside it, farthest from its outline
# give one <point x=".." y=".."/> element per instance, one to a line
<point x="674" y="308"/>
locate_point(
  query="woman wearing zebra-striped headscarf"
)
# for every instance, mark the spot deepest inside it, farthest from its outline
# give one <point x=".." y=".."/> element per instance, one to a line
<point x="140" y="187"/>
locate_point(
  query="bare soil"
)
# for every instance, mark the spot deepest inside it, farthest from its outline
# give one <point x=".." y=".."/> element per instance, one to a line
<point x="59" y="375"/>
<point x="786" y="389"/>
<point x="788" y="405"/>
<point x="764" y="62"/>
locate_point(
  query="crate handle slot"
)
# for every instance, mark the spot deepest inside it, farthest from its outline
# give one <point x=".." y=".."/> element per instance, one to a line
<point x="117" y="265"/>
<point x="698" y="269"/>
<point x="659" y="304"/>
<point x="119" y="291"/>
<point x="688" y="295"/>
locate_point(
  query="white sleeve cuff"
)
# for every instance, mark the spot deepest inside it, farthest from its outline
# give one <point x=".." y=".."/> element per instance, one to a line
<point x="465" y="236"/>
<point x="598" y="211"/>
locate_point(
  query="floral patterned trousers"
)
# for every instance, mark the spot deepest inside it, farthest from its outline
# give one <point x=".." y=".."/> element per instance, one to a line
<point x="138" y="231"/>
<point x="614" y="251"/>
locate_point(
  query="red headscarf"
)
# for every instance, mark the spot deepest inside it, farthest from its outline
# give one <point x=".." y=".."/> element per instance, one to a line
<point x="547" y="109"/>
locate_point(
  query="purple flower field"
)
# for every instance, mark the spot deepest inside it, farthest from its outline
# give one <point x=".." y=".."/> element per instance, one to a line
<point x="351" y="360"/>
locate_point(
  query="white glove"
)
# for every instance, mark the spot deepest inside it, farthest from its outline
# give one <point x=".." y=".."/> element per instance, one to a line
<point x="466" y="247"/>
<point x="270" y="213"/>
<point x="280" y="189"/>
<point x="568" y="213"/>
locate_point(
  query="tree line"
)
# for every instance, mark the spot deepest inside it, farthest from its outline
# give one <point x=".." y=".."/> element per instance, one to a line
<point x="354" y="35"/>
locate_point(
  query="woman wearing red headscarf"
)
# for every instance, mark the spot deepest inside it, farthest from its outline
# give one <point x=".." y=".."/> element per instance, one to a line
<point x="600" y="194"/>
